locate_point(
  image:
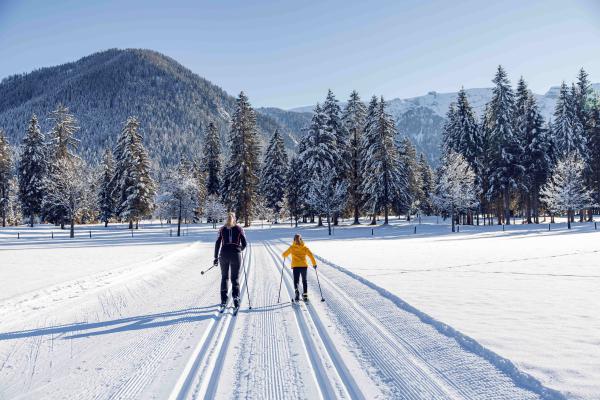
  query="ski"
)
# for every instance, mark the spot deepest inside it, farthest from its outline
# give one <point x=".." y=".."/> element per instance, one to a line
<point x="235" y="311"/>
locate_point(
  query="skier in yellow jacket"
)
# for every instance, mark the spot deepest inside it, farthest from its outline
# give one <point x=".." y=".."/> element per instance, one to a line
<point x="299" y="253"/>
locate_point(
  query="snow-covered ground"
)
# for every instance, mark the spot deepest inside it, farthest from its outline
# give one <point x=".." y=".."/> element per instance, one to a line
<point x="481" y="314"/>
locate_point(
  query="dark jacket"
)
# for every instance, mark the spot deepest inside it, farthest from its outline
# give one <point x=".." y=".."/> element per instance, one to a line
<point x="230" y="240"/>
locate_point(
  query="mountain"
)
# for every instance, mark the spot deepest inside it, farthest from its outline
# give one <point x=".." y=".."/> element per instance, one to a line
<point x="422" y="118"/>
<point x="173" y="104"/>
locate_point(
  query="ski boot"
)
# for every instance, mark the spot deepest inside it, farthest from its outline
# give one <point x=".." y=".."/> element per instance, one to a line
<point x="236" y="305"/>
<point x="297" y="298"/>
<point x="305" y="297"/>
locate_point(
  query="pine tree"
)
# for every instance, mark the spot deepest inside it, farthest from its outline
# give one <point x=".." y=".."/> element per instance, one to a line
<point x="5" y="176"/>
<point x="567" y="128"/>
<point x="134" y="188"/>
<point x="536" y="157"/>
<point x="505" y="168"/>
<point x="342" y="150"/>
<point x="212" y="159"/>
<point x="427" y="186"/>
<point x="294" y="192"/>
<point x="14" y="212"/>
<point x="240" y="182"/>
<point x="274" y="173"/>
<point x="317" y="157"/>
<point x="462" y="130"/>
<point x="354" y="122"/>
<point x="32" y="171"/>
<point x="410" y="169"/>
<point x="383" y="185"/>
<point x="566" y="190"/>
<point x="583" y="97"/>
<point x="106" y="202"/>
<point x="593" y="141"/>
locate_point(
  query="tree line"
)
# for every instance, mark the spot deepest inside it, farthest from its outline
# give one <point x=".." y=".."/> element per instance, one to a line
<point x="510" y="162"/>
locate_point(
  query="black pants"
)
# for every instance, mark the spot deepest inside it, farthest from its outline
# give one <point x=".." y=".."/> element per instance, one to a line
<point x="298" y="271"/>
<point x="230" y="261"/>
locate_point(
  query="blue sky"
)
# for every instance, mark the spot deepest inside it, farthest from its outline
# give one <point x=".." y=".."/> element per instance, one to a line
<point x="287" y="54"/>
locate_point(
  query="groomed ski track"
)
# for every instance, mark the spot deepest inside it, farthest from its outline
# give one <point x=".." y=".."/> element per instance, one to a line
<point x="358" y="344"/>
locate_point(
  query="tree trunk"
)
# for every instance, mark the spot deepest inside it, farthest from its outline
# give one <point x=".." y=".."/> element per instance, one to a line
<point x="106" y="223"/>
<point x="131" y="224"/>
<point x="453" y="221"/>
<point x="569" y="212"/>
<point x="329" y="224"/>
<point x="386" y="215"/>
<point x="72" y="232"/>
<point x="31" y="220"/>
<point x="506" y="206"/>
<point x="179" y="221"/>
<point x="320" y="221"/>
<point x="374" y="220"/>
<point x="356" y="216"/>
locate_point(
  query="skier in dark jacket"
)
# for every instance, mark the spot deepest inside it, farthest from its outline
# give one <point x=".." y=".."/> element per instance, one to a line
<point x="231" y="242"/>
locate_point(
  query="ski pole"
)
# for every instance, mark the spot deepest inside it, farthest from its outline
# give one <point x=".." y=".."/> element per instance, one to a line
<point x="246" y="280"/>
<point x="202" y="272"/>
<point x="319" y="283"/>
<point x="281" y="280"/>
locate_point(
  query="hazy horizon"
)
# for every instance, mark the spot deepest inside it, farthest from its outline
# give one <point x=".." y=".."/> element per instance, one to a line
<point x="289" y="55"/>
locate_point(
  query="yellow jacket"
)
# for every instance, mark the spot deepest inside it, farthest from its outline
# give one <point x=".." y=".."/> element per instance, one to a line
<point x="299" y="253"/>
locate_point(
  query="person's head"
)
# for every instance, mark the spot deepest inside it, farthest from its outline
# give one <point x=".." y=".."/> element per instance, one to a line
<point x="230" y="221"/>
<point x="298" y="239"/>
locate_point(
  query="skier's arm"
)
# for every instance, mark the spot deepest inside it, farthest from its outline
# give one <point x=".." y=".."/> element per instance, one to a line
<point x="218" y="244"/>
<point x="243" y="239"/>
<point x="287" y="252"/>
<point x="312" y="258"/>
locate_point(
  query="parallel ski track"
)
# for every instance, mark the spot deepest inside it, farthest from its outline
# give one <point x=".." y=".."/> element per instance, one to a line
<point x="403" y="367"/>
<point x="200" y="376"/>
<point x="342" y="384"/>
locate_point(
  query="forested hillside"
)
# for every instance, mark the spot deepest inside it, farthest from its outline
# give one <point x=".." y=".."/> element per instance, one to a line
<point x="173" y="104"/>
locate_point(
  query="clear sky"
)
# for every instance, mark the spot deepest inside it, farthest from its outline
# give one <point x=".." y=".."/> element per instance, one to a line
<point x="288" y="53"/>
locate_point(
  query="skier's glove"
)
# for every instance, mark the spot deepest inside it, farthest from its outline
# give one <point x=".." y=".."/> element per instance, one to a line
<point x="314" y="266"/>
<point x="215" y="261"/>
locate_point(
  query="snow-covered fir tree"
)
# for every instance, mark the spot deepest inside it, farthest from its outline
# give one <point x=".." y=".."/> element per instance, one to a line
<point x="106" y="202"/>
<point x="505" y="166"/>
<point x="461" y="133"/>
<point x="583" y="97"/>
<point x="536" y="157"/>
<point x="383" y="183"/>
<point x="274" y="174"/>
<point x="409" y="167"/>
<point x="335" y="125"/>
<point x="455" y="191"/>
<point x="567" y="130"/>
<point x="294" y="185"/>
<point x="318" y="159"/>
<point x="427" y="185"/>
<point x="565" y="190"/>
<point x="354" y="121"/>
<point x="66" y="189"/>
<point x="327" y="196"/>
<point x="133" y="185"/>
<point x="199" y="174"/>
<point x="593" y="142"/>
<point x="32" y="170"/>
<point x="240" y="183"/>
<point x="5" y="176"/>
<point x="212" y="159"/>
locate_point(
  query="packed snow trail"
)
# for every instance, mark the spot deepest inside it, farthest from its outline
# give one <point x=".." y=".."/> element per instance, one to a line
<point x="125" y="333"/>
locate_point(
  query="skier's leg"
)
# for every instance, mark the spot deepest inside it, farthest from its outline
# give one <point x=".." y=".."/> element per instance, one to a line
<point x="304" y="273"/>
<point x="236" y="261"/>
<point x="224" y="263"/>
<point x="296" y="272"/>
